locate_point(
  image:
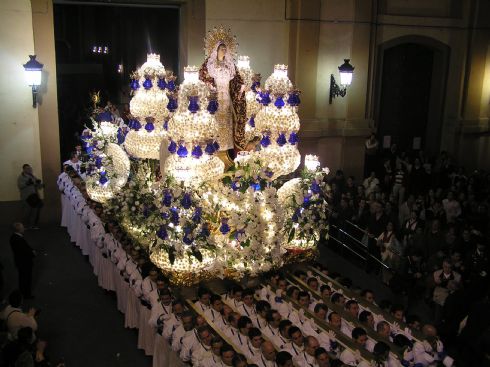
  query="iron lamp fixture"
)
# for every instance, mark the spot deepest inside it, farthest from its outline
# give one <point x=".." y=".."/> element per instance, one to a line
<point x="33" y="72"/>
<point x="345" y="70"/>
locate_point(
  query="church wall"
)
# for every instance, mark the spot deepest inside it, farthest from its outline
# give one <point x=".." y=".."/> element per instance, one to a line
<point x="19" y="137"/>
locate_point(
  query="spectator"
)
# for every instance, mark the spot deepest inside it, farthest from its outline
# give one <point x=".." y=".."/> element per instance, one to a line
<point x="15" y="318"/>
<point x="29" y="186"/>
<point x="23" y="259"/>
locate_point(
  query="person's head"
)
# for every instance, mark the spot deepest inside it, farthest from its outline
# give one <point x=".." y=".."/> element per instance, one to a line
<point x="398" y="311"/>
<point x="284" y="359"/>
<point x="74" y="157"/>
<point x="15" y="298"/>
<point x="153" y="274"/>
<point x="321" y="311"/>
<point x="413" y="321"/>
<point x="216" y="302"/>
<point x="18" y="227"/>
<point x="322" y="358"/>
<point x="338" y="299"/>
<point x="239" y="360"/>
<point x="255" y="337"/>
<point x="383" y="329"/>
<point x="162" y="282"/>
<point x="248" y="297"/>
<point x="205" y="335"/>
<point x="244" y="324"/>
<point x="368" y="295"/>
<point x="311" y="345"/>
<point x="27" y="169"/>
<point x="366" y="318"/>
<point x="301" y="275"/>
<point x="359" y="335"/>
<point x="429" y="330"/>
<point x="325" y="291"/>
<point x="165" y="296"/>
<point x="273" y="317"/>
<point x="221" y="51"/>
<point x="227" y="353"/>
<point x="204" y="295"/>
<point x="381" y="352"/>
<point x="312" y="283"/>
<point x="282" y="284"/>
<point x="293" y="292"/>
<point x="352" y="307"/>
<point x="178" y="307"/>
<point x="447" y="266"/>
<point x="304" y="299"/>
<point x="334" y="320"/>
<point x="268" y="351"/>
<point x="216" y="344"/>
<point x="284" y="327"/>
<point x="233" y="318"/>
<point x="295" y="335"/>
<point x="188" y="320"/>
<point x="262" y="307"/>
<point x="236" y="292"/>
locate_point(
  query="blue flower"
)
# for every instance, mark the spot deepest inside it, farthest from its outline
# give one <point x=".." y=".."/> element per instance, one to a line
<point x="165" y="125"/>
<point x="212" y="106"/>
<point x="193" y="105"/>
<point x="186" y="201"/>
<point x="251" y="122"/>
<point x="103" y="178"/>
<point x="174" y="214"/>
<point x="216" y="146"/>
<point x="197" y="151"/>
<point x="172" y="103"/>
<point x="281" y="140"/>
<point x="196" y="217"/>
<point x="162" y="233"/>
<point x="149" y="127"/>
<point x="293" y="138"/>
<point x="224" y="228"/>
<point x="265" y="99"/>
<point x="134" y="124"/>
<point x="104" y="116"/>
<point x="315" y="188"/>
<point x="146" y="211"/>
<point x="279" y="103"/>
<point x="296" y="214"/>
<point x="171" y="85"/>
<point x="161" y="83"/>
<point x="265" y="141"/>
<point x="98" y="162"/>
<point x="209" y="148"/>
<point x="256" y="186"/>
<point x="134" y="84"/>
<point x="182" y="151"/>
<point x="167" y="198"/>
<point x="147" y="84"/>
<point x="172" y="147"/>
<point x="187" y="240"/>
<point x="235" y="185"/>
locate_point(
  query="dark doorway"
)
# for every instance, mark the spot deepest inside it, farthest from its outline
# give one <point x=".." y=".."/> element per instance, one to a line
<point x="84" y="64"/>
<point x="411" y="96"/>
<point x="405" y="93"/>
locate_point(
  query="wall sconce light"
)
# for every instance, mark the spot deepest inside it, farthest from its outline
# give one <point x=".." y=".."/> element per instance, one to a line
<point x="346" y="70"/>
<point x="33" y="71"/>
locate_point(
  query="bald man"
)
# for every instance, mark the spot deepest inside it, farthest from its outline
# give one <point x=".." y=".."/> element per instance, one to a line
<point x="307" y="357"/>
<point x="268" y="356"/>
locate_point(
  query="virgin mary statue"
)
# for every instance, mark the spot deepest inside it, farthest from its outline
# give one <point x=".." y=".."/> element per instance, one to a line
<point x="220" y="73"/>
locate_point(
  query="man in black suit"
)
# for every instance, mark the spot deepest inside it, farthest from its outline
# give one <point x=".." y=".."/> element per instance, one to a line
<point x="23" y="259"/>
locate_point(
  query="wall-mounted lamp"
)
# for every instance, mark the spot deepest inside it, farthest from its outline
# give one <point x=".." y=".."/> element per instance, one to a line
<point x="346" y="70"/>
<point x="33" y="71"/>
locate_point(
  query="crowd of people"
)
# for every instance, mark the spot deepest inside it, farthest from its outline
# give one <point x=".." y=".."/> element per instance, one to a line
<point x="424" y="226"/>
